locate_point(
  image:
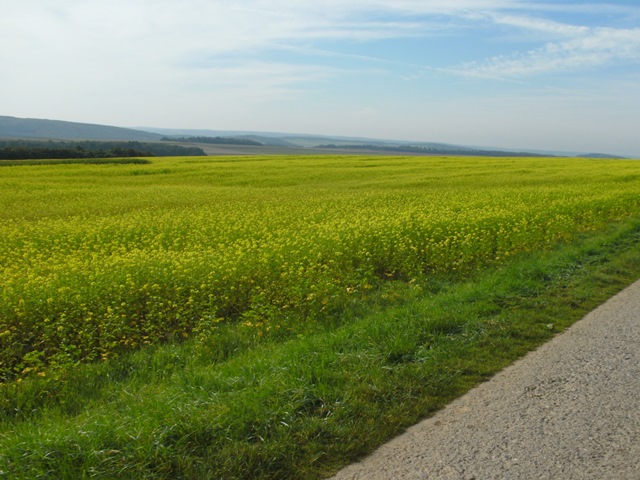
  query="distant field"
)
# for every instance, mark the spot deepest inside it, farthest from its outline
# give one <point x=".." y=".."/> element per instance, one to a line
<point x="233" y="317"/>
<point x="100" y="259"/>
<point x="224" y="150"/>
<point x="312" y="149"/>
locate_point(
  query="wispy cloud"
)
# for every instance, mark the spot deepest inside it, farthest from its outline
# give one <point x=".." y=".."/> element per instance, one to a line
<point x="268" y="80"/>
<point x="227" y="25"/>
<point x="122" y="35"/>
<point x="586" y="48"/>
<point x="539" y="25"/>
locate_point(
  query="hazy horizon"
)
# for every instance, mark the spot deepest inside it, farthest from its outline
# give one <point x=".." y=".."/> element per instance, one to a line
<point x="525" y="75"/>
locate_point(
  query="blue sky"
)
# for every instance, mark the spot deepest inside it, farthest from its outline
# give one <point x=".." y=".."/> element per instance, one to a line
<point x="549" y="75"/>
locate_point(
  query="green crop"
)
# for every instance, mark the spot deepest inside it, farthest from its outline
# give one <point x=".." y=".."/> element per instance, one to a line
<point x="101" y="259"/>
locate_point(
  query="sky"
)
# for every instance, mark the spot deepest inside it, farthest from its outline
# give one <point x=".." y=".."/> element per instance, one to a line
<point x="559" y="75"/>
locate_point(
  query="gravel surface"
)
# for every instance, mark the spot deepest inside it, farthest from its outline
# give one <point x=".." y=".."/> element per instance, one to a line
<point x="569" y="410"/>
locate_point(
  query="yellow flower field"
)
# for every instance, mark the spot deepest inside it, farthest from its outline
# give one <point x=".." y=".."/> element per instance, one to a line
<point x="97" y="259"/>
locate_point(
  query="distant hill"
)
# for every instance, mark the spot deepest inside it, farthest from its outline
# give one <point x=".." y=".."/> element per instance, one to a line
<point x="292" y="140"/>
<point x="603" y="156"/>
<point x="269" y="142"/>
<point x="12" y="127"/>
<point x="326" y="144"/>
<point x="263" y="138"/>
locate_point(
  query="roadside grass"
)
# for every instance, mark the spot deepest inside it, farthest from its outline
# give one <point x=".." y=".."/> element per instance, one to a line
<point x="226" y="406"/>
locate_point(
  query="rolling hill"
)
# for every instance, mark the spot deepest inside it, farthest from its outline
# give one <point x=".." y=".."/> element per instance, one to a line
<point x="12" y="127"/>
<point x="30" y="128"/>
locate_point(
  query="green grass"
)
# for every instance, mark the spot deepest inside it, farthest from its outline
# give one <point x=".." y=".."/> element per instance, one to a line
<point x="303" y="407"/>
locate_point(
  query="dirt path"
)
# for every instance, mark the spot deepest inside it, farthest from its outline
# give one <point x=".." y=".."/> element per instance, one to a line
<point x="569" y="410"/>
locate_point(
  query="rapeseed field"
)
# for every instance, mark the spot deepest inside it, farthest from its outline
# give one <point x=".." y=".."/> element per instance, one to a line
<point x="97" y="260"/>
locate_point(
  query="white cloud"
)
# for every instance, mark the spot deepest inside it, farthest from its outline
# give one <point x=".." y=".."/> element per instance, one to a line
<point x="539" y="24"/>
<point x="156" y="35"/>
<point x="254" y="79"/>
<point x="224" y="24"/>
<point x="587" y="48"/>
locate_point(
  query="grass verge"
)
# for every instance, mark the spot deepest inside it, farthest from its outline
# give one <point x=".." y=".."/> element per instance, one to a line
<point x="303" y="407"/>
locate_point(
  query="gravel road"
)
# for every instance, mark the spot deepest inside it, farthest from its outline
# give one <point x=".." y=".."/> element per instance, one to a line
<point x="569" y="410"/>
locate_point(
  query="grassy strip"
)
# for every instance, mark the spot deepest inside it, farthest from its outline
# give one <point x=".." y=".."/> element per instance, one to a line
<point x="302" y="408"/>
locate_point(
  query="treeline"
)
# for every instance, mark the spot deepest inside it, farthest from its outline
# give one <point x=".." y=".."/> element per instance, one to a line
<point x="214" y="140"/>
<point x="74" y="161"/>
<point x="33" y="149"/>
<point x="431" y="150"/>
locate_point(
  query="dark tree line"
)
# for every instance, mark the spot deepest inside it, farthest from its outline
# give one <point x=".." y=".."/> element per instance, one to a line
<point x="32" y="149"/>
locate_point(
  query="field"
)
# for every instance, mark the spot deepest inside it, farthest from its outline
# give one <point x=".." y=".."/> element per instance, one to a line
<point x="190" y="281"/>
